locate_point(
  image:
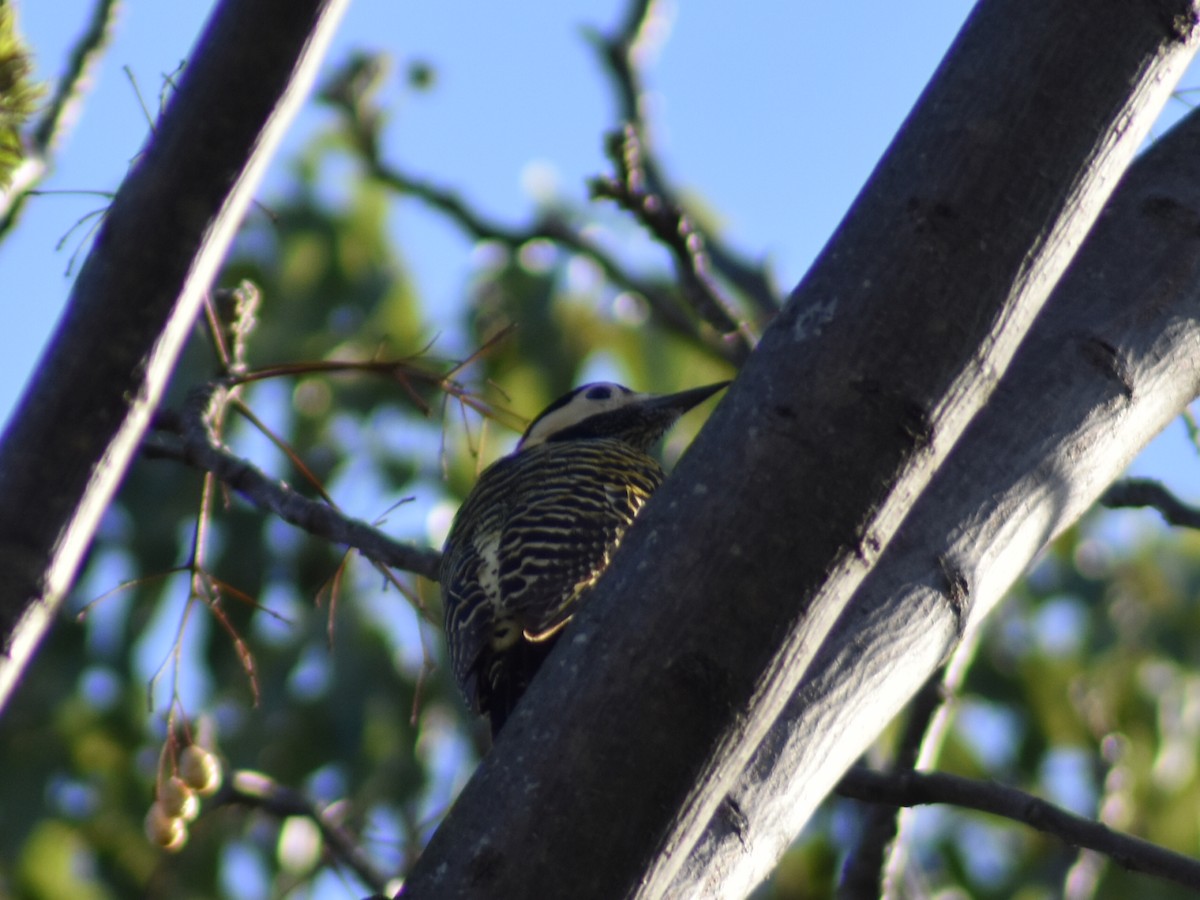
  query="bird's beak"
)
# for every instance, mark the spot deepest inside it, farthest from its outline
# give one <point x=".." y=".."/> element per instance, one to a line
<point x="680" y="403"/>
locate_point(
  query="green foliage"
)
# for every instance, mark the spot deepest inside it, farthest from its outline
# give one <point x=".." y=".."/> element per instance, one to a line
<point x="19" y="94"/>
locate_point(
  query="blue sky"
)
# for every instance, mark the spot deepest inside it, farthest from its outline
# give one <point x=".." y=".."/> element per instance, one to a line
<point x="773" y="113"/>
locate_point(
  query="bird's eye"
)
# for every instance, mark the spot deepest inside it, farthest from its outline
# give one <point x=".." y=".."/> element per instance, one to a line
<point x="599" y="392"/>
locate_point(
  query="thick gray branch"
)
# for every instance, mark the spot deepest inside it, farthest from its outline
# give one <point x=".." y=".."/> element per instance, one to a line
<point x="1109" y="363"/>
<point x="658" y="694"/>
<point x="82" y="416"/>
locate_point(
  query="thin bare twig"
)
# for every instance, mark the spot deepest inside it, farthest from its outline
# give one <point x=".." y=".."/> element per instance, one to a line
<point x="912" y="788"/>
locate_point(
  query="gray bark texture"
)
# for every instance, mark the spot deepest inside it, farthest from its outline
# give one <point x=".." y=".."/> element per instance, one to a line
<point x="655" y="701"/>
<point x="1109" y="362"/>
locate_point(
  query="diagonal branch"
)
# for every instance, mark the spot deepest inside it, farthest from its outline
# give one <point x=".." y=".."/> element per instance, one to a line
<point x="82" y="418"/>
<point x="933" y="735"/>
<point x="661" y="299"/>
<point x="912" y="788"/>
<point x="709" y="317"/>
<point x="1135" y="492"/>
<point x="315" y="517"/>
<point x="619" y="51"/>
<point x="351" y="93"/>
<point x="1094" y="381"/>
<point x="862" y="874"/>
<point x="676" y="231"/>
<point x="256" y="791"/>
<point x="647" y="712"/>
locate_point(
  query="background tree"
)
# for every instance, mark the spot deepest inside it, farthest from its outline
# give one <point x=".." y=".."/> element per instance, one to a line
<point x="349" y="706"/>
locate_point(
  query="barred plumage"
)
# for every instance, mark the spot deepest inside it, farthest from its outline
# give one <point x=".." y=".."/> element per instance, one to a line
<point x="538" y="530"/>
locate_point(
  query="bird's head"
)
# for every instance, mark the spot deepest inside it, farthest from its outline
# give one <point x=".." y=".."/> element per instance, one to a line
<point x="607" y="410"/>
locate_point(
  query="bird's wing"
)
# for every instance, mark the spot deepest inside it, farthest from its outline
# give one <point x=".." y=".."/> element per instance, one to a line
<point x="535" y="533"/>
<point x="558" y="539"/>
<point x="470" y="574"/>
<point x="469" y="618"/>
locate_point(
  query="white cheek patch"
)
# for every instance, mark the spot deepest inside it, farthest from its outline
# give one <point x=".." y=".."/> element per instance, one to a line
<point x="579" y="407"/>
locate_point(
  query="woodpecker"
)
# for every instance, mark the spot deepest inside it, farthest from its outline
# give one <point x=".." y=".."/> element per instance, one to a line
<point x="539" y="528"/>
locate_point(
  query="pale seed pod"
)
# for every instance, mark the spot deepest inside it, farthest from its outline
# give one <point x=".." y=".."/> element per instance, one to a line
<point x="200" y="770"/>
<point x="178" y="800"/>
<point x="166" y="831"/>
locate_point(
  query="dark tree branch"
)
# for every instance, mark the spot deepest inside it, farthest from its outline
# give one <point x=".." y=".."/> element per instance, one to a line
<point x="672" y="227"/>
<point x="618" y="52"/>
<point x="921" y="714"/>
<point x="937" y="717"/>
<point x="68" y="94"/>
<point x="918" y="788"/>
<point x="696" y="255"/>
<point x="862" y="875"/>
<point x="351" y="93"/>
<point x="80" y="61"/>
<point x="647" y="712"/>
<point x="133" y="304"/>
<point x="660" y="297"/>
<point x="256" y="791"/>
<point x="1140" y="492"/>
<point x="269" y="495"/>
